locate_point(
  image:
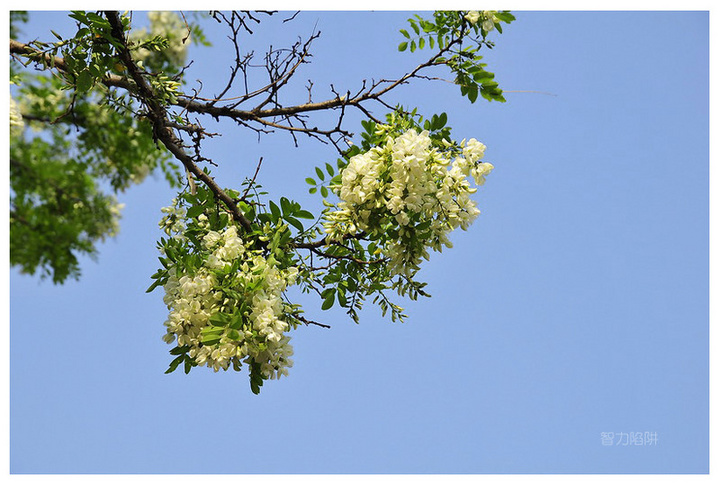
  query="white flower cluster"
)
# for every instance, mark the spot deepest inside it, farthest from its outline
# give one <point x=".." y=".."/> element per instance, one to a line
<point x="16" y="120"/>
<point x="257" y="286"/>
<point x="115" y="212"/>
<point x="409" y="183"/>
<point x="172" y="27"/>
<point x="488" y="16"/>
<point x="173" y="223"/>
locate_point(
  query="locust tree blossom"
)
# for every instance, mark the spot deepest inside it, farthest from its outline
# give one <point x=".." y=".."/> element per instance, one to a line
<point x="16" y="120"/>
<point x="173" y="223"/>
<point x="408" y="192"/>
<point x="489" y="18"/>
<point x="230" y="309"/>
<point x="401" y="192"/>
<point x="473" y="16"/>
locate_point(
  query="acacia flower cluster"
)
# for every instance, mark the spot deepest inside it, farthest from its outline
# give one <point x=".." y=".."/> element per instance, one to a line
<point x="173" y="222"/>
<point x="408" y="193"/>
<point x="489" y="19"/>
<point x="16" y="120"/>
<point x="229" y="310"/>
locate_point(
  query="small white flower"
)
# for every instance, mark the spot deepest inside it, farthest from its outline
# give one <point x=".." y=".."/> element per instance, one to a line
<point x="474" y="150"/>
<point x="402" y="218"/>
<point x="490" y="20"/>
<point x="472" y="16"/>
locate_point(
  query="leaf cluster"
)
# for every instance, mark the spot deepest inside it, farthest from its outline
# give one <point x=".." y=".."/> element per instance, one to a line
<point x="57" y="210"/>
<point x="85" y="130"/>
<point x="449" y="31"/>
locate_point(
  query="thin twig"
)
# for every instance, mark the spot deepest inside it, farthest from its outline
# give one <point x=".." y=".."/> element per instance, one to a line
<point x="252" y="181"/>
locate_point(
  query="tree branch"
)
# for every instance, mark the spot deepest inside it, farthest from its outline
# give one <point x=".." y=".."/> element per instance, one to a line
<point x="47" y="60"/>
<point x="311" y="322"/>
<point x="158" y="115"/>
<point x="259" y="115"/>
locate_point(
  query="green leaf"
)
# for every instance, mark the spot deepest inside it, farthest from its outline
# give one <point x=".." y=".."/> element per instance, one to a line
<point x="210" y="335"/>
<point x="413" y="46"/>
<point x="310" y="181"/>
<point x="195" y="211"/>
<point x="82" y="33"/>
<point x="236" y="322"/>
<point x="255" y="387"/>
<point x="423" y="226"/>
<point x="506" y="17"/>
<point x="341" y="297"/>
<point x="217" y="320"/>
<point x="93" y="17"/>
<point x="329" y="300"/>
<point x="303" y="214"/>
<point x="285" y="205"/>
<point x="414" y="26"/>
<point x="472" y="92"/>
<point x="354" y="150"/>
<point x="403" y="46"/>
<point x="442" y="121"/>
<point x="405" y="33"/>
<point x="295" y="223"/>
<point x="179" y="350"/>
<point x="153" y="286"/>
<point x="483" y="76"/>
<point x="84" y="81"/>
<point x="212" y="330"/>
<point x="173" y="365"/>
<point x="324" y="191"/>
<point x="421" y="42"/>
<point x="275" y="210"/>
<point x="256" y="380"/>
<point x="319" y="173"/>
<point x="78" y="15"/>
<point x="330" y="169"/>
<point x="210" y="340"/>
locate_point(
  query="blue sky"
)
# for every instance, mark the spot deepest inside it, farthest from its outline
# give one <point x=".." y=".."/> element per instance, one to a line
<point x="577" y="303"/>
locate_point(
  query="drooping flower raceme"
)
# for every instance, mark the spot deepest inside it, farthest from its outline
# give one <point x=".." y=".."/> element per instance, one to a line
<point x="230" y="309"/>
<point x="225" y="283"/>
<point x="408" y="194"/>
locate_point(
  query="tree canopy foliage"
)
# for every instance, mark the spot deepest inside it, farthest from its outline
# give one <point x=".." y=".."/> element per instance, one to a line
<point x="95" y="112"/>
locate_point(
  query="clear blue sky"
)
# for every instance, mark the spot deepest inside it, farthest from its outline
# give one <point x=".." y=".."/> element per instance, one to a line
<point x="577" y="304"/>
